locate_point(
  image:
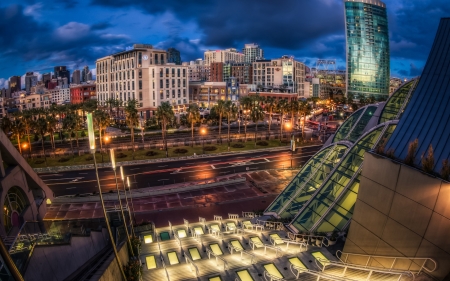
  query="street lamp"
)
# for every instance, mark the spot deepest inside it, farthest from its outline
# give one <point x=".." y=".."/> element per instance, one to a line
<point x="105" y="140"/>
<point x="90" y="123"/>
<point x="113" y="166"/>
<point x="25" y="146"/>
<point x="292" y="148"/>
<point x="203" y="133"/>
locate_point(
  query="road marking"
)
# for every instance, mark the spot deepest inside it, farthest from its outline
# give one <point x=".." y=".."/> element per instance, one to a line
<point x="71" y="187"/>
<point x="267" y="159"/>
<point x="212" y="166"/>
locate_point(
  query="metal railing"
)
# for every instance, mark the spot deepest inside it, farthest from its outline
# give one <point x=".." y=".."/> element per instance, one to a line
<point x="259" y="244"/>
<point x="216" y="233"/>
<point x="310" y="238"/>
<point x="288" y="242"/>
<point x="322" y="264"/>
<point x="249" y="215"/>
<point x="232" y="248"/>
<point x="164" y="266"/>
<point x="233" y="216"/>
<point x="416" y="262"/>
<point x="319" y="274"/>
<point x="271" y="277"/>
<point x="271" y="224"/>
<point x="191" y="262"/>
<point x="177" y="238"/>
<point x="202" y="220"/>
<point x="197" y="237"/>
<point x="186" y="223"/>
<point x="225" y="263"/>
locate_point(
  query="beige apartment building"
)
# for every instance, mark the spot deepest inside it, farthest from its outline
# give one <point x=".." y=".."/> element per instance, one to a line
<point x="198" y="70"/>
<point x="280" y="75"/>
<point x="227" y="55"/>
<point x="135" y="74"/>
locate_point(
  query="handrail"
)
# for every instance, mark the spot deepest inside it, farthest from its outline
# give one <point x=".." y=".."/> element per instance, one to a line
<point x="191" y="262"/>
<point x="272" y="277"/>
<point x="225" y="263"/>
<point x="216" y="233"/>
<point x="249" y="215"/>
<point x="164" y="266"/>
<point x="277" y="249"/>
<point x="322" y="264"/>
<point x="240" y="250"/>
<point x="197" y="236"/>
<point x="288" y="241"/>
<point x="324" y="238"/>
<point x="316" y="273"/>
<point x="177" y="238"/>
<point x="339" y="255"/>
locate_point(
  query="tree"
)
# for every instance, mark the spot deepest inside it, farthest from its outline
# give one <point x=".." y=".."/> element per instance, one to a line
<point x="101" y="120"/>
<point x="256" y="115"/>
<point x="245" y="103"/>
<point x="269" y="106"/>
<point x="282" y="108"/>
<point x="69" y="125"/>
<point x="17" y="129"/>
<point x="193" y="117"/>
<point x="231" y="111"/>
<point x="220" y="108"/>
<point x="41" y="129"/>
<point x="27" y="120"/>
<point x="164" y="114"/>
<point x="51" y="129"/>
<point x="293" y="109"/>
<point x="132" y="119"/>
<point x="304" y="109"/>
<point x="6" y="125"/>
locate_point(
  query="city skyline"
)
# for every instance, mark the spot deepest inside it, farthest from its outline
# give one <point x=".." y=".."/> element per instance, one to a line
<point x="38" y="35"/>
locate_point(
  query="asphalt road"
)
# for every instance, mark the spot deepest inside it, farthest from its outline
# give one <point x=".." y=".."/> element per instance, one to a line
<point x="162" y="173"/>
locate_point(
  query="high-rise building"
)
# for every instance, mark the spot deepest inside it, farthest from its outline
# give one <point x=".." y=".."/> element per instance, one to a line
<point x="252" y="52"/>
<point x="367" y="48"/>
<point x="30" y="81"/>
<point x="84" y="74"/>
<point x="227" y="55"/>
<point x="142" y="73"/>
<point x="285" y="75"/>
<point x="62" y="72"/>
<point x="76" y="77"/>
<point x="46" y="77"/>
<point x="173" y="56"/>
<point x="198" y="71"/>
<point x="14" y="84"/>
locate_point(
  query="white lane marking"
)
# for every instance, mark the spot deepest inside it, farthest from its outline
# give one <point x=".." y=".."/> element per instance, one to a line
<point x="212" y="166"/>
<point x="267" y="159"/>
<point x="71" y="187"/>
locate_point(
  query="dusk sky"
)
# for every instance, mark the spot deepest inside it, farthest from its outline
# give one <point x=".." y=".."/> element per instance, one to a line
<point x="37" y="35"/>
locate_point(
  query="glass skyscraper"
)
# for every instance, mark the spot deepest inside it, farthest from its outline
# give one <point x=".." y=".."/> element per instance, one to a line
<point x="367" y="48"/>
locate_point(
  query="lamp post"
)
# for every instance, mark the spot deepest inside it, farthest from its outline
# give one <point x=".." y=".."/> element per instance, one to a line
<point x="122" y="176"/>
<point x="113" y="166"/>
<point x="24" y="147"/>
<point x="90" y="123"/>
<point x="203" y="133"/>
<point x="290" y="128"/>
<point x="105" y="141"/>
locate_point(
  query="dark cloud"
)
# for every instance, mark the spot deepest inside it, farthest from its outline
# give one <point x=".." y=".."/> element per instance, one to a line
<point x="22" y="37"/>
<point x="288" y="24"/>
<point x="101" y="26"/>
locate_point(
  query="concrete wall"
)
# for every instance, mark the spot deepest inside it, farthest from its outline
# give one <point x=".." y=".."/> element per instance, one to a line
<point x="401" y="211"/>
<point x="110" y="270"/>
<point x="55" y="263"/>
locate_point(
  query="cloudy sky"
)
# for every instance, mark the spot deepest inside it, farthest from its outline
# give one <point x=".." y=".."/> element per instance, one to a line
<point x="36" y="35"/>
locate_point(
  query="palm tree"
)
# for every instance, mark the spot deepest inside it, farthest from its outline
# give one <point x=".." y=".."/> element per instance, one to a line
<point x="304" y="109"/>
<point x="101" y="120"/>
<point x="41" y="128"/>
<point x="231" y="111"/>
<point x="282" y="108"/>
<point x="221" y="110"/>
<point x="164" y="114"/>
<point x="6" y="125"/>
<point x="256" y="115"/>
<point x="270" y="104"/>
<point x="132" y="119"/>
<point x="17" y="130"/>
<point x="27" y="120"/>
<point x="245" y="103"/>
<point x="69" y="125"/>
<point x="193" y="117"/>
<point x="293" y="109"/>
<point x="77" y="128"/>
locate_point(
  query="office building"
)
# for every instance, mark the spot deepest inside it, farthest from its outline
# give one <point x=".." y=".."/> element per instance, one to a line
<point x="84" y="74"/>
<point x="252" y="52"/>
<point x="141" y="73"/>
<point x="61" y="95"/>
<point x="368" y="64"/>
<point x="198" y="70"/>
<point x="227" y="55"/>
<point x="15" y="83"/>
<point x="216" y="72"/>
<point x="173" y="56"/>
<point x="76" y="77"/>
<point x="61" y="72"/>
<point x="46" y="77"/>
<point x="280" y="75"/>
<point x="30" y="81"/>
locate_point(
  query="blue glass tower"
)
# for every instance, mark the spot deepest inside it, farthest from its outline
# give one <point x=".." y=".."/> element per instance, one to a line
<point x="367" y="48"/>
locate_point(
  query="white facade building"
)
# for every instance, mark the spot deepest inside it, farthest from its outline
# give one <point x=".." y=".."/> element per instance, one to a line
<point x="60" y="95"/>
<point x="227" y="55"/>
<point x="252" y="52"/>
<point x="198" y="70"/>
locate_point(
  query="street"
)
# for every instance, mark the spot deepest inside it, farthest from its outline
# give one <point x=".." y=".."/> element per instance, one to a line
<point x="162" y="173"/>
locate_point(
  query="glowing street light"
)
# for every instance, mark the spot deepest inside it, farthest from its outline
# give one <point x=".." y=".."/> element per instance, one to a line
<point x="91" y="135"/>
<point x="203" y="133"/>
